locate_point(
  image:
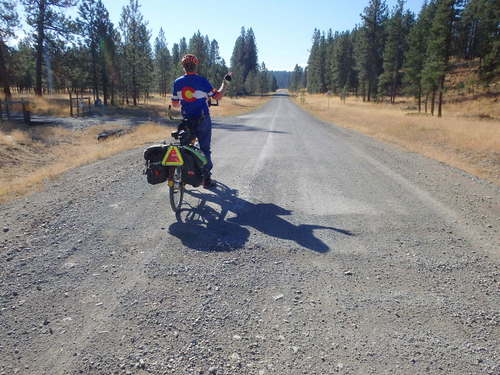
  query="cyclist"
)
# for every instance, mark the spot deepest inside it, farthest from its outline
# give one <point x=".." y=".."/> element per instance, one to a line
<point x="191" y="92"/>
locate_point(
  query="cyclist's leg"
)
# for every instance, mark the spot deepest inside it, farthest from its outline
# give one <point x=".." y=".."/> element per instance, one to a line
<point x="204" y="135"/>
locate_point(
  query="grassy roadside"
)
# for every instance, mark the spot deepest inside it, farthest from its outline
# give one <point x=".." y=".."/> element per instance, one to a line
<point x="30" y="156"/>
<point x="155" y="106"/>
<point x="467" y="137"/>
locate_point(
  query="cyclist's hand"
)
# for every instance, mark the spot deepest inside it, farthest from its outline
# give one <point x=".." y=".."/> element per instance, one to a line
<point x="228" y="77"/>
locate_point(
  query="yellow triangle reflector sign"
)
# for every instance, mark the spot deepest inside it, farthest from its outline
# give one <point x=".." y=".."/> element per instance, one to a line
<point x="173" y="157"/>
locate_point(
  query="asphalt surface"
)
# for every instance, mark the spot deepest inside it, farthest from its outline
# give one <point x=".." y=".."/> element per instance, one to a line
<point x="321" y="251"/>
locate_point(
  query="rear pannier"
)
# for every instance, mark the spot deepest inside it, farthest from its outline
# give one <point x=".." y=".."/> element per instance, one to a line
<point x="155" y="172"/>
<point x="192" y="171"/>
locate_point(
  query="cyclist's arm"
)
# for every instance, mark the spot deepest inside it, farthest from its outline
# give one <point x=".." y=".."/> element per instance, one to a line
<point x="218" y="94"/>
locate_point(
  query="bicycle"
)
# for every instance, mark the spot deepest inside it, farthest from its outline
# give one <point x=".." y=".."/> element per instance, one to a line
<point x="180" y="167"/>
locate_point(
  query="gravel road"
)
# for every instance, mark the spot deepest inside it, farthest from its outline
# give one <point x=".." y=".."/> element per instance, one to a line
<point x="321" y="251"/>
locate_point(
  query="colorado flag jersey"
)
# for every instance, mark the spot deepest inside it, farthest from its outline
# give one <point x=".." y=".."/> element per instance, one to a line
<point x="192" y="91"/>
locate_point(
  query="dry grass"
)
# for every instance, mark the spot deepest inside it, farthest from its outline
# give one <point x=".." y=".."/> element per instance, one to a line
<point x="469" y="143"/>
<point x="155" y="106"/>
<point x="238" y="106"/>
<point x="29" y="157"/>
<point x="50" y="105"/>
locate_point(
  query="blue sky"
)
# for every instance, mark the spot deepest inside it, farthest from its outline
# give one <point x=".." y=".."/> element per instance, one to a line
<point x="283" y="28"/>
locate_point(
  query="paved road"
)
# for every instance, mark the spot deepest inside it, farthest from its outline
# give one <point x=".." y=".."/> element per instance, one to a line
<point x="321" y="251"/>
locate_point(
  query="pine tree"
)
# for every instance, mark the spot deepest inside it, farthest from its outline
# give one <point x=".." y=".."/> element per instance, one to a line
<point x="252" y="83"/>
<point x="296" y="79"/>
<point x="98" y="30"/>
<point x="8" y="22"/>
<point x="183" y="47"/>
<point x="23" y="66"/>
<point x="315" y="74"/>
<point x="480" y="36"/>
<point x="87" y="21"/>
<point x="416" y="54"/>
<point x="395" y="48"/>
<point x="243" y="61"/>
<point x="438" y="51"/>
<point x="108" y="39"/>
<point x="274" y="83"/>
<point x="137" y="54"/>
<point x="176" y="61"/>
<point x="200" y="47"/>
<point x="47" y="19"/>
<point x="329" y="47"/>
<point x="162" y="63"/>
<point x="216" y="64"/>
<point x="371" y="47"/>
<point x="250" y="52"/>
<point x="343" y="63"/>
<point x="264" y="86"/>
<point x="237" y="86"/>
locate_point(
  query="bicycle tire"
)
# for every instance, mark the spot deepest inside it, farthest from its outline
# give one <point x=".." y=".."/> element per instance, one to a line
<point x="176" y="192"/>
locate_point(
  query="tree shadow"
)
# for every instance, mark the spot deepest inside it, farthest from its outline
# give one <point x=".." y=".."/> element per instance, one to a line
<point x="201" y="227"/>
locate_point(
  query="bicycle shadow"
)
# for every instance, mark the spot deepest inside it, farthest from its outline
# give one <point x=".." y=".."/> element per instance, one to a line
<point x="201" y="227"/>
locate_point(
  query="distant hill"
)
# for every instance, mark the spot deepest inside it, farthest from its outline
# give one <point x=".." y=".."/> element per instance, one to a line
<point x="283" y="77"/>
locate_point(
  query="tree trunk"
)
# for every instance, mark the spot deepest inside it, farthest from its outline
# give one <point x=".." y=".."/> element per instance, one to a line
<point x="4" y="74"/>
<point x="393" y="90"/>
<point x="94" y="71"/>
<point x="112" y="87"/>
<point x="440" y="98"/>
<point x="419" y="98"/>
<point x="40" y="39"/>
<point x="433" y="99"/>
<point x="134" y="86"/>
<point x="104" y="83"/>
<point x="38" y="74"/>
<point x="105" y="92"/>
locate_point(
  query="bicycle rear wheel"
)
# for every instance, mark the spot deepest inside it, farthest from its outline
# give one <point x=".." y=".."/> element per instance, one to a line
<point x="176" y="190"/>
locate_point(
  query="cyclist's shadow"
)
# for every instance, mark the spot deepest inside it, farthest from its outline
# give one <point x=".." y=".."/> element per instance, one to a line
<point x="201" y="227"/>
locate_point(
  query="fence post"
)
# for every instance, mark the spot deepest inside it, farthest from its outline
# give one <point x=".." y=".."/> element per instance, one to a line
<point x="26" y="113"/>
<point x="70" y="105"/>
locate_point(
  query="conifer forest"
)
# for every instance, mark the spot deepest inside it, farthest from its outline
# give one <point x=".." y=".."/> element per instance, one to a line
<point x="391" y="52"/>
<point x="118" y="64"/>
<point x="395" y="52"/>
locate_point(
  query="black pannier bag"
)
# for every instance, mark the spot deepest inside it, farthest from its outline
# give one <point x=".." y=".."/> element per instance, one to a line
<point x="155" y="153"/>
<point x="155" y="172"/>
<point x="192" y="172"/>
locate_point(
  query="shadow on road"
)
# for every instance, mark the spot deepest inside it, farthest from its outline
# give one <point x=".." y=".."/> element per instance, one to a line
<point x="243" y="128"/>
<point x="201" y="227"/>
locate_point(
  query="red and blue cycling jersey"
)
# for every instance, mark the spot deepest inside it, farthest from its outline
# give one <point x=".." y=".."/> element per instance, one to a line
<point x="192" y="91"/>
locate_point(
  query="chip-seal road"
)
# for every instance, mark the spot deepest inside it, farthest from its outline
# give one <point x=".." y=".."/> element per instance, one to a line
<point x="321" y="251"/>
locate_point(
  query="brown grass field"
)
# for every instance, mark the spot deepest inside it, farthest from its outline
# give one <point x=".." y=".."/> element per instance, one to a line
<point x="29" y="156"/>
<point x="156" y="106"/>
<point x="466" y="137"/>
